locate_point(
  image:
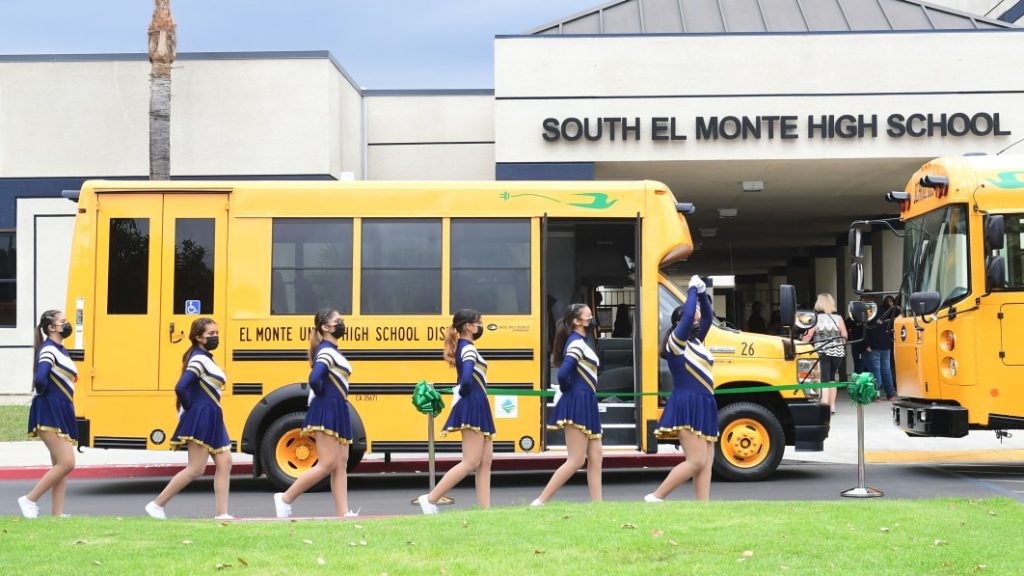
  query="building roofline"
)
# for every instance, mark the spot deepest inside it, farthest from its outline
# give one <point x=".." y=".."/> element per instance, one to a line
<point x="787" y="33"/>
<point x="431" y="92"/>
<point x="137" y="57"/>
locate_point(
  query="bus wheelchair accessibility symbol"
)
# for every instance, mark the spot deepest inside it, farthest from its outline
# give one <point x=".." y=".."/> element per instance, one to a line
<point x="193" y="307"/>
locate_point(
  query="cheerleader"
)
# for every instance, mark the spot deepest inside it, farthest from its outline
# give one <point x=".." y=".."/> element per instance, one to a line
<point x="471" y="412"/>
<point x="200" y="421"/>
<point x="576" y="410"/>
<point x="691" y="415"/>
<point x="51" y="416"/>
<point x="327" y="418"/>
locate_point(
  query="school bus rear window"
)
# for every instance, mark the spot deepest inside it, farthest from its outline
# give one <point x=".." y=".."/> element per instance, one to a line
<point x="311" y="265"/>
<point x="128" y="272"/>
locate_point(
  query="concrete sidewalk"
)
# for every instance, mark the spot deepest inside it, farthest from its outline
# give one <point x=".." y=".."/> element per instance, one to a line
<point x="883" y="442"/>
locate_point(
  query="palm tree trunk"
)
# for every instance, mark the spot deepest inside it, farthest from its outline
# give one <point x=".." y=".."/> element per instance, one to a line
<point x="162" y="50"/>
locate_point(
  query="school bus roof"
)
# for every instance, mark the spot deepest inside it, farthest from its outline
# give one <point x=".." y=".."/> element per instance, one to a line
<point x="987" y="180"/>
<point x="288" y="198"/>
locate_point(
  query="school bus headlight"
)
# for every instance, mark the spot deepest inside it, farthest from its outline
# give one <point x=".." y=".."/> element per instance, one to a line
<point x="808" y="371"/>
<point x="949" y="367"/>
<point x="157" y="436"/>
<point x="947" y="341"/>
<point x="526" y="443"/>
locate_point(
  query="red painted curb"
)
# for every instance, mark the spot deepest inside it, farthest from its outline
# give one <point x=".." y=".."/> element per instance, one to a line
<point x="517" y="463"/>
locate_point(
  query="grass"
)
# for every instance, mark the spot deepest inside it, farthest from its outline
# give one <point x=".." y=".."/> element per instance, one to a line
<point x="850" y="537"/>
<point x="13" y="423"/>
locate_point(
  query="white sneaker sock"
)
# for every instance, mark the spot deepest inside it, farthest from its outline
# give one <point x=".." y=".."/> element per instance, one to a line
<point x="281" y="508"/>
<point x="536" y="503"/>
<point x="426" y="506"/>
<point x="29" y="509"/>
<point x="652" y="498"/>
<point x="155" y="511"/>
<point x="224" y="516"/>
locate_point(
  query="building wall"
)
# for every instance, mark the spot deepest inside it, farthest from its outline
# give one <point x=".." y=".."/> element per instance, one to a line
<point x="425" y="136"/>
<point x="799" y="75"/>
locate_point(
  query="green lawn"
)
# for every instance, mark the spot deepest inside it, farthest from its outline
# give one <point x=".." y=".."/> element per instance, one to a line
<point x="844" y="537"/>
<point x="13" y="423"/>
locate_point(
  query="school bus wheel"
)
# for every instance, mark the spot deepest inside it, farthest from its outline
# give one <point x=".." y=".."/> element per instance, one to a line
<point x="751" y="442"/>
<point x="286" y="453"/>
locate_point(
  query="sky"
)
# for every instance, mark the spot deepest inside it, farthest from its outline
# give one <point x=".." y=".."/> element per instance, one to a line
<point x="382" y="44"/>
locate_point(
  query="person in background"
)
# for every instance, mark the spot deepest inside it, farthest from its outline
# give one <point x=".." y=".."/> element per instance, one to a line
<point x="576" y="410"/>
<point x="893" y="311"/>
<point x="327" y="418"/>
<point x="879" y="352"/>
<point x="829" y="337"/>
<point x="858" y="345"/>
<point x="775" y="324"/>
<point x="623" y="327"/>
<point x="755" y="322"/>
<point x="471" y="412"/>
<point x="51" y="416"/>
<point x="200" y="422"/>
<point x="691" y="414"/>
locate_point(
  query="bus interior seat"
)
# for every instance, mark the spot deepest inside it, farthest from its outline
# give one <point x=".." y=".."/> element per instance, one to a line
<point x="278" y="294"/>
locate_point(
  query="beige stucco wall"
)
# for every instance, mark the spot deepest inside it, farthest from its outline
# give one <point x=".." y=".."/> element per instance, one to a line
<point x="447" y="136"/>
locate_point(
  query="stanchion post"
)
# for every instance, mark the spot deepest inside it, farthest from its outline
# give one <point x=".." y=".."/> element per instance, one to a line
<point x="861" y="491"/>
<point x="430" y="450"/>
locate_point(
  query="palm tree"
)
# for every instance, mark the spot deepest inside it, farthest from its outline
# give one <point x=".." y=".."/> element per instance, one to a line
<point x="162" y="49"/>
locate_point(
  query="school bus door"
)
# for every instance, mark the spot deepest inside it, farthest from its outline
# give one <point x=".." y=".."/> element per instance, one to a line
<point x="193" y="282"/>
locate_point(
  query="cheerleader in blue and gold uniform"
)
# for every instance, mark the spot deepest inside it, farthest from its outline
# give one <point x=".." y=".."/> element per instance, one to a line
<point x="471" y="412"/>
<point x="690" y="415"/>
<point x="327" y="418"/>
<point x="51" y="416"/>
<point x="576" y="409"/>
<point x="200" y="421"/>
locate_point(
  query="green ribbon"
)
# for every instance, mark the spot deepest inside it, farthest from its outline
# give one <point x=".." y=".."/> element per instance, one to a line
<point x="718" y="392"/>
<point x="426" y="399"/>
<point x="862" y="388"/>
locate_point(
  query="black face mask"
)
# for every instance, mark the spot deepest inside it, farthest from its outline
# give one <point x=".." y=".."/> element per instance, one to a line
<point x="212" y="342"/>
<point x="339" y="329"/>
<point x="479" y="332"/>
<point x="65" y="330"/>
<point x="695" y="331"/>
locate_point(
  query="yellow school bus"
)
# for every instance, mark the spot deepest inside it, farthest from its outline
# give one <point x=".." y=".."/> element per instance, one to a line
<point x="396" y="259"/>
<point x="958" y="346"/>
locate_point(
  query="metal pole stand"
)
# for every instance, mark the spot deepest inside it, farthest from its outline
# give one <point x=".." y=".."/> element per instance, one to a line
<point x="430" y="450"/>
<point x="861" y="491"/>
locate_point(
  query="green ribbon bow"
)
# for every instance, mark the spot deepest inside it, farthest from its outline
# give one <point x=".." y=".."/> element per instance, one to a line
<point x="426" y="399"/>
<point x="862" y="388"/>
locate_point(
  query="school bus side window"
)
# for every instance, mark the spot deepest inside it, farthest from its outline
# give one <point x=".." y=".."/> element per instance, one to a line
<point x="401" y="266"/>
<point x="128" y="271"/>
<point x="193" y="263"/>
<point x="490" y="261"/>
<point x="1013" y="251"/>
<point x="311" y="266"/>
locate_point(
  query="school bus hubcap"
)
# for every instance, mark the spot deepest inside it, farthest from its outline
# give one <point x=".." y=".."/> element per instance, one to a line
<point x="745" y="443"/>
<point x="295" y="453"/>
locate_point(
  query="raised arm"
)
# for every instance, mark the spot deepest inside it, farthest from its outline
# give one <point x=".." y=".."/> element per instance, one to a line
<point x="685" y="325"/>
<point x="707" y="313"/>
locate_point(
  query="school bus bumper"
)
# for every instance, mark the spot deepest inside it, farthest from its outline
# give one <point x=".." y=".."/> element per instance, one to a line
<point x="811" y="422"/>
<point x="930" y="419"/>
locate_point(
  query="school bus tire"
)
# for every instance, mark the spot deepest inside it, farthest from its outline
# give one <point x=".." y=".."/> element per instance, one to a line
<point x="751" y="442"/>
<point x="286" y="454"/>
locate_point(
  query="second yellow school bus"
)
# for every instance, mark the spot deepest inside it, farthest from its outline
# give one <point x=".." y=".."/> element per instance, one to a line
<point x="396" y="260"/>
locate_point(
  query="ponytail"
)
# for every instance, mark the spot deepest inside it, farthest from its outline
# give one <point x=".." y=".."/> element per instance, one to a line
<point x="676" y="315"/>
<point x="562" y="330"/>
<point x="45" y="321"/>
<point x="451" y="336"/>
<point x="316" y="336"/>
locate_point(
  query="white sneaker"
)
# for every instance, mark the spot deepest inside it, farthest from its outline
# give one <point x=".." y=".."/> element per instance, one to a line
<point x="282" y="508"/>
<point x="536" y="503"/>
<point x="29" y="509"/>
<point x="426" y="506"/>
<point x="651" y="498"/>
<point x="351" y="514"/>
<point x="155" y="511"/>
<point x="224" y="516"/>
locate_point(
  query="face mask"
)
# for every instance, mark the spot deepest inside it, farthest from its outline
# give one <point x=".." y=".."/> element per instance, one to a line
<point x="65" y="330"/>
<point x="339" y="329"/>
<point x="479" y="332"/>
<point x="212" y="342"/>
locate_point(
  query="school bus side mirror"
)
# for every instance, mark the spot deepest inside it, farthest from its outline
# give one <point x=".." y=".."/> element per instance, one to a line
<point x="855" y="239"/>
<point x="995" y="273"/>
<point x="924" y="303"/>
<point x="862" y="312"/>
<point x="994" y="232"/>
<point x="787" y="304"/>
<point x="70" y="195"/>
<point x="857" y="277"/>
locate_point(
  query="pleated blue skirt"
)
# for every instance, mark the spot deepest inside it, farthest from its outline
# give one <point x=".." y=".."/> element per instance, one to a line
<point x="203" y="423"/>
<point x="688" y="410"/>
<point x="471" y="412"/>
<point x="330" y="416"/>
<point x="55" y="413"/>
<point x="577" y="408"/>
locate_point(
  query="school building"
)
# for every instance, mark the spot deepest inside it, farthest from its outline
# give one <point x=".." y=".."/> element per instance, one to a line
<point x="781" y="120"/>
